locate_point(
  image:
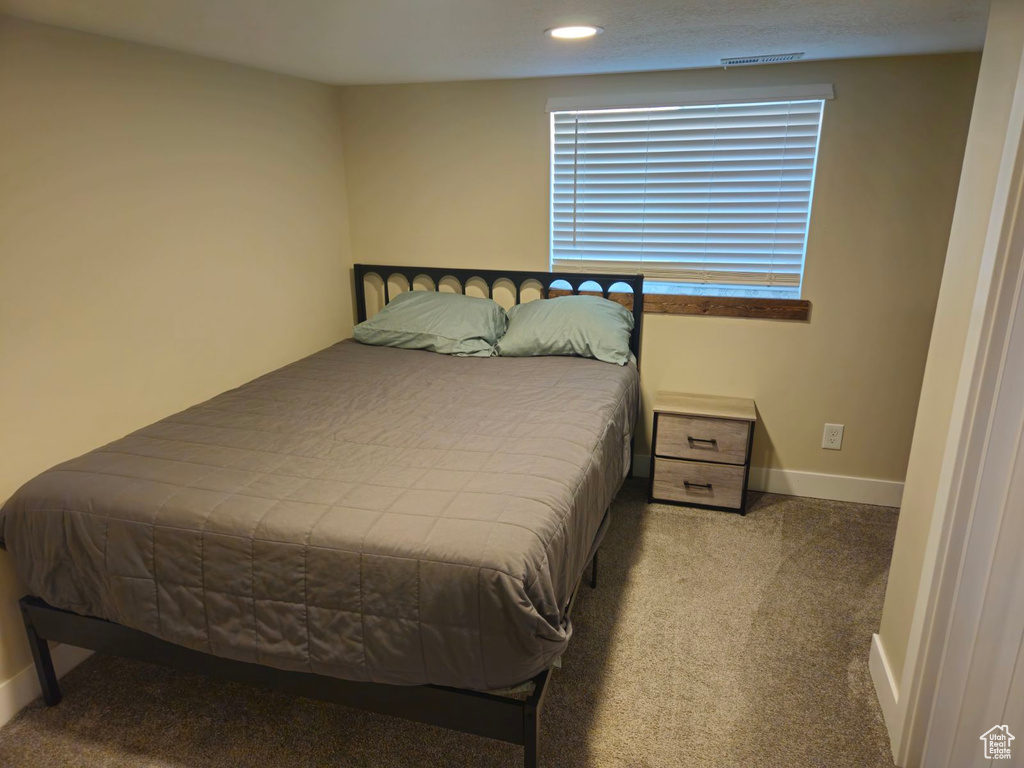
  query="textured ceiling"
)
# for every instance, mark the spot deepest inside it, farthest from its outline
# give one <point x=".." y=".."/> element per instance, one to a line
<point x="386" y="41"/>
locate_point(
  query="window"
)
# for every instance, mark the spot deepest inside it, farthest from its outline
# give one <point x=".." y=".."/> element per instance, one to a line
<point x="702" y="198"/>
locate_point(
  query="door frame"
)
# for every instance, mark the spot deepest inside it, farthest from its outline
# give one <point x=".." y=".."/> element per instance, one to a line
<point x="954" y="640"/>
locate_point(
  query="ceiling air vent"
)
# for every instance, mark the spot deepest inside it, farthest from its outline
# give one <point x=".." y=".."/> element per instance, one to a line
<point x="773" y="58"/>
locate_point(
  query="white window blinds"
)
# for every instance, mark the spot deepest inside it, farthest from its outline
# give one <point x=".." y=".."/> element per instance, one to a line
<point x="709" y="194"/>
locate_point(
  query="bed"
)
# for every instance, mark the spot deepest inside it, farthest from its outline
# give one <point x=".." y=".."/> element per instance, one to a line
<point x="392" y="529"/>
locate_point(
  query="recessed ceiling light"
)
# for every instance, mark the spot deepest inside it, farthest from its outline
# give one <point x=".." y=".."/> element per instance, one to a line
<point x="573" y="33"/>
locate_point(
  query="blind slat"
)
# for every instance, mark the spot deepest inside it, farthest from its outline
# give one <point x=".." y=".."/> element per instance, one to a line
<point x="698" y="194"/>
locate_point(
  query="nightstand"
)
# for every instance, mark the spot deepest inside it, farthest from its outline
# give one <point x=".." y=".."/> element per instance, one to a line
<point x="700" y="450"/>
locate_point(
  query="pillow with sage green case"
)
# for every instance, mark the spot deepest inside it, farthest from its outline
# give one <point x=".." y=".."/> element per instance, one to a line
<point x="449" y="323"/>
<point x="586" y="326"/>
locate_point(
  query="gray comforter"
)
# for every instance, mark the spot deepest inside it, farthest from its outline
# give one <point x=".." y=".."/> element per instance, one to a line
<point x="368" y="513"/>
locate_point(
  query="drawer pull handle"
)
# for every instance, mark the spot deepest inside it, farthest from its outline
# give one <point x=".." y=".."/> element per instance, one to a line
<point x="687" y="484"/>
<point x="709" y="441"/>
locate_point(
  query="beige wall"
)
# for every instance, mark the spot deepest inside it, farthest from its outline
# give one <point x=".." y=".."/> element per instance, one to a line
<point x="170" y="227"/>
<point x="456" y="174"/>
<point x="1000" y="65"/>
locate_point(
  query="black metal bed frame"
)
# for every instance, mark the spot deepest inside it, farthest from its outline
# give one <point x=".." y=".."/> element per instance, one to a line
<point x="497" y="716"/>
<point x="518" y="278"/>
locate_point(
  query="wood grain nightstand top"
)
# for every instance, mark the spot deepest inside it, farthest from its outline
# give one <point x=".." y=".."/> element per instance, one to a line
<point x="710" y="406"/>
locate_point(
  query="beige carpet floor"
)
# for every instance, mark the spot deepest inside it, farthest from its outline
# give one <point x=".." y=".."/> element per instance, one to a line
<point x="712" y="640"/>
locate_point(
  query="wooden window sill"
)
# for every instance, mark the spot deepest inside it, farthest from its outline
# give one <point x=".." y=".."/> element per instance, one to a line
<point x="716" y="306"/>
<point x="727" y="306"/>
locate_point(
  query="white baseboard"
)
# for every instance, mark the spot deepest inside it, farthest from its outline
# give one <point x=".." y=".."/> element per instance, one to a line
<point x="887" y="692"/>
<point x="863" y="490"/>
<point x="22" y="689"/>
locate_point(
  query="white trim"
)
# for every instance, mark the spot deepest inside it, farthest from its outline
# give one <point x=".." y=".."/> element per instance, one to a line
<point x="885" y="688"/>
<point x="862" y="490"/>
<point x="789" y="482"/>
<point x="979" y="627"/>
<point x="22" y="689"/>
<point x="690" y="98"/>
<point x="950" y="536"/>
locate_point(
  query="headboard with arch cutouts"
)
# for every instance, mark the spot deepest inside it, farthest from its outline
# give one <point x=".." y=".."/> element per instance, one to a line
<point x="629" y="289"/>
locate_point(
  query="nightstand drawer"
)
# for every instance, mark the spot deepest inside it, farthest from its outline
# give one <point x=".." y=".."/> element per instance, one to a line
<point x="695" y="482"/>
<point x="702" y="439"/>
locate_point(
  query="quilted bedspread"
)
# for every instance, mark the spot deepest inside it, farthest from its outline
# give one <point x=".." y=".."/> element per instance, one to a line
<point x="367" y="513"/>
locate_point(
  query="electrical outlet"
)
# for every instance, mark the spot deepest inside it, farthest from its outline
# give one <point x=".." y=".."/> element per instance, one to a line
<point x="833" y="437"/>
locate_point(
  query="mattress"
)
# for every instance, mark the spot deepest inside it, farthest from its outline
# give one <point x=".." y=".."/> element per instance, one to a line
<point x="367" y="513"/>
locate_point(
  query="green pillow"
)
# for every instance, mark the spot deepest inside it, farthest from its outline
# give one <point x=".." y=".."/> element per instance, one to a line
<point x="586" y="326"/>
<point x="449" y="323"/>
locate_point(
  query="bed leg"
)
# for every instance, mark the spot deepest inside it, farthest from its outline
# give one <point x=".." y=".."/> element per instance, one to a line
<point x="593" y="572"/>
<point x="530" y="728"/>
<point x="43" y="661"/>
